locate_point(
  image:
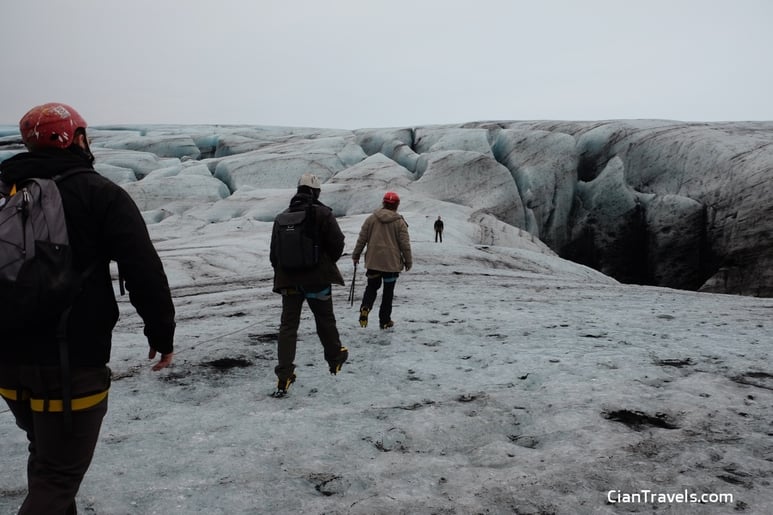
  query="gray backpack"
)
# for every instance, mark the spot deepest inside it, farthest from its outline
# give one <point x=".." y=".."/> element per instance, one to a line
<point x="37" y="281"/>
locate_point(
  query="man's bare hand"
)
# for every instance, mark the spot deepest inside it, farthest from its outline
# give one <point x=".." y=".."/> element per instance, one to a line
<point x="165" y="361"/>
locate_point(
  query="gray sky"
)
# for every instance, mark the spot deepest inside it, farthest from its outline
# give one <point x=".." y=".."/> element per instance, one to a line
<point x="376" y="63"/>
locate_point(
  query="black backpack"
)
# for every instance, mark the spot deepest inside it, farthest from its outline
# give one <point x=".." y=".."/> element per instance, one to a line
<point x="296" y="240"/>
<point x="37" y="281"/>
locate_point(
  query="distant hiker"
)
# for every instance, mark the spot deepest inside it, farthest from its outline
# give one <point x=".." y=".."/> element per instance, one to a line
<point x="385" y="233"/>
<point x="53" y="373"/>
<point x="300" y="277"/>
<point x="439" y="230"/>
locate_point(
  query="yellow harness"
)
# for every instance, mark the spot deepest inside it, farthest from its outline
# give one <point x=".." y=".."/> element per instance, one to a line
<point x="54" y="405"/>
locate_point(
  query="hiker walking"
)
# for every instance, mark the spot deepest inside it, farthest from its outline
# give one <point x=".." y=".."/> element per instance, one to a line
<point x="438" y="230"/>
<point x="385" y="233"/>
<point x="300" y="277"/>
<point x="53" y="373"/>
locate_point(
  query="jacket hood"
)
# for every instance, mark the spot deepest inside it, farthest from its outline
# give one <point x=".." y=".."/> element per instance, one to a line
<point x="386" y="216"/>
<point x="303" y="199"/>
<point x="42" y="164"/>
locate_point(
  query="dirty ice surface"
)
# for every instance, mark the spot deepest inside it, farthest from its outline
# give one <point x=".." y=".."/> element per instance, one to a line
<point x="512" y="382"/>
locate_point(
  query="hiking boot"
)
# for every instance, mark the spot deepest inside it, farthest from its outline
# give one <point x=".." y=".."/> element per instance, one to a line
<point x="364" y="316"/>
<point x="387" y="325"/>
<point x="335" y="365"/>
<point x="283" y="385"/>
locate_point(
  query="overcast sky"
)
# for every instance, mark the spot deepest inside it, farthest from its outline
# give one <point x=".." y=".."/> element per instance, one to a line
<point x="382" y="63"/>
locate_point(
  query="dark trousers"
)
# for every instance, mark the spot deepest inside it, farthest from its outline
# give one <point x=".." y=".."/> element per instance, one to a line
<point x="375" y="278"/>
<point x="59" y="456"/>
<point x="322" y="309"/>
<point x="439" y="234"/>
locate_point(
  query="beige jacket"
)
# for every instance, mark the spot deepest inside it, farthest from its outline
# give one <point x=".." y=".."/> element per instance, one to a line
<point x="385" y="233"/>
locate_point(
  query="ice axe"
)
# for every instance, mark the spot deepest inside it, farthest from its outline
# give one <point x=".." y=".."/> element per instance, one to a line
<point x="351" y="288"/>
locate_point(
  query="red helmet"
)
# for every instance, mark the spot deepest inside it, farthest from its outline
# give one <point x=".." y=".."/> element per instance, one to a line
<point x="390" y="197"/>
<point x="50" y="125"/>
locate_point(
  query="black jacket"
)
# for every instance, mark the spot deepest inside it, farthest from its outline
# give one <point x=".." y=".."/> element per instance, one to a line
<point x="103" y="224"/>
<point x="331" y="241"/>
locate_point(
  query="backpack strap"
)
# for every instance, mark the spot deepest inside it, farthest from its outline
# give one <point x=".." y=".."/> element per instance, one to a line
<point x="61" y="328"/>
<point x="311" y="214"/>
<point x="64" y="352"/>
<point x="64" y="363"/>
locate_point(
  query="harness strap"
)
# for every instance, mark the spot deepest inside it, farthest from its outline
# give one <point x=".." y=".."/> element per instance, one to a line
<point x="14" y="395"/>
<point x="77" y="404"/>
<point x="54" y="405"/>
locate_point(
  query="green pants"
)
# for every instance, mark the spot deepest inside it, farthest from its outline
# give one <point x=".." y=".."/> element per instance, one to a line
<point x="322" y="308"/>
